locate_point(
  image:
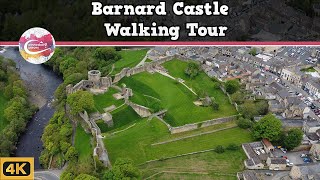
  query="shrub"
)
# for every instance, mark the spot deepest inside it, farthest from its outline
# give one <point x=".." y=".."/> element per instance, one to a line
<point x="233" y="147"/>
<point x="219" y="149"/>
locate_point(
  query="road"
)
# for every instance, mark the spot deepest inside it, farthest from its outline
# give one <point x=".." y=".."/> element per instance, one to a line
<point x="47" y="175"/>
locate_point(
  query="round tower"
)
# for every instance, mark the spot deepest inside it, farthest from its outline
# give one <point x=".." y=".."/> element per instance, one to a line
<point x="95" y="77"/>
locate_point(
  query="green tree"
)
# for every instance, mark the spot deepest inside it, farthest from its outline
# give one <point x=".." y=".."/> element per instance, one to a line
<point x="122" y="169"/>
<point x="192" y="70"/>
<point x="238" y="97"/>
<point x="248" y="109"/>
<point x="85" y="177"/>
<point x="244" y="123"/>
<point x="232" y="86"/>
<point x="71" y="154"/>
<point x="80" y="101"/>
<point x="268" y="127"/>
<point x="293" y="138"/>
<point x="253" y="52"/>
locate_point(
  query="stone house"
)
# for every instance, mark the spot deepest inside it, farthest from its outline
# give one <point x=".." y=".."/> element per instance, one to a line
<point x="295" y="108"/>
<point x="293" y="75"/>
<point x="253" y="161"/>
<point x="311" y="128"/>
<point x="315" y="151"/>
<point x="314" y="87"/>
<point x="311" y="171"/>
<point x="277" y="163"/>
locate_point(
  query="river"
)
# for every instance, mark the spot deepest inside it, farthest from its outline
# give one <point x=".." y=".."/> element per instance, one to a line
<point x="41" y="83"/>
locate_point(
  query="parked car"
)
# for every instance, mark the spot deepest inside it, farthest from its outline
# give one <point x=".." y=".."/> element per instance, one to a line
<point x="290" y="164"/>
<point x="307" y="160"/>
<point x="303" y="155"/>
<point x="268" y="174"/>
<point x="262" y="151"/>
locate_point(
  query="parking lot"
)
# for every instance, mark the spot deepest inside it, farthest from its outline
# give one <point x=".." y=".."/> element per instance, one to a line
<point x="294" y="157"/>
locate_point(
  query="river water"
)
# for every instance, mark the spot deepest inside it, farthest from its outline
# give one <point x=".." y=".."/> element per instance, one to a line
<point x="41" y="83"/>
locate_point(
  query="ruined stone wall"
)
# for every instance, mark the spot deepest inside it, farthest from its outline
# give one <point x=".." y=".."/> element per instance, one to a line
<point x="140" y="110"/>
<point x="127" y="72"/>
<point x="100" y="149"/>
<point x="190" y="127"/>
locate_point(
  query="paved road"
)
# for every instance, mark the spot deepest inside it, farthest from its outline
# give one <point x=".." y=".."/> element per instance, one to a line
<point x="47" y="175"/>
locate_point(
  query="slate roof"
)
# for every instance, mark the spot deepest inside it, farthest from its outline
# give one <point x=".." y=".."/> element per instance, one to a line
<point x="278" y="161"/>
<point x="284" y="94"/>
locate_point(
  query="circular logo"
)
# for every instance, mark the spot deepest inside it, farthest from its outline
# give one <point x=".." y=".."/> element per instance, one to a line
<point x="36" y="45"/>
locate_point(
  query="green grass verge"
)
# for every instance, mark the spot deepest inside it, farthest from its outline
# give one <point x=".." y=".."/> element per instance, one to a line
<point x="130" y="58"/>
<point x="122" y="117"/>
<point x="3" y="103"/>
<point x="105" y="100"/>
<point x="144" y="133"/>
<point x="83" y="144"/>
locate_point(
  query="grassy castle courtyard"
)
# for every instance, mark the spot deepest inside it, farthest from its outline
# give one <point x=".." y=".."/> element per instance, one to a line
<point x="136" y="138"/>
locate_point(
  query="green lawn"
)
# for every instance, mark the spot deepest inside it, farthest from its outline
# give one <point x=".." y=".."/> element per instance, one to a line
<point x="214" y="165"/>
<point x="83" y="144"/>
<point x="310" y="69"/>
<point x="105" y="100"/>
<point x="130" y="58"/>
<point x="140" y="137"/>
<point x="3" y="103"/>
<point x="122" y="117"/>
<point x="135" y="143"/>
<point x="176" y="98"/>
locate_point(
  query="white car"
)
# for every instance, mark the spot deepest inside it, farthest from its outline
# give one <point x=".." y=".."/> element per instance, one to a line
<point x="257" y="152"/>
<point x="262" y="151"/>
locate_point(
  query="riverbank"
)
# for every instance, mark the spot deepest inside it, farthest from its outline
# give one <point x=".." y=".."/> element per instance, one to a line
<point x="41" y="83"/>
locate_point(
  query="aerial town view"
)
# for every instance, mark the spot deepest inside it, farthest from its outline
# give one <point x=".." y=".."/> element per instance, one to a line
<point x="164" y="112"/>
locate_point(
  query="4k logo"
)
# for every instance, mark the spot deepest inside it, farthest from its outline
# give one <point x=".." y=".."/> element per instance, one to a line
<point x="16" y="168"/>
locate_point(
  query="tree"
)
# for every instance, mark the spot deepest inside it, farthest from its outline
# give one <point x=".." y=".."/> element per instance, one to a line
<point x="122" y="169"/>
<point x="80" y="101"/>
<point x="71" y="154"/>
<point x="293" y="138"/>
<point x="253" y="52"/>
<point x="192" y="70"/>
<point x="244" y="123"/>
<point x="262" y="107"/>
<point x="232" y="86"/>
<point x="238" y="97"/>
<point x="85" y="177"/>
<point x="249" y="109"/>
<point x="268" y="127"/>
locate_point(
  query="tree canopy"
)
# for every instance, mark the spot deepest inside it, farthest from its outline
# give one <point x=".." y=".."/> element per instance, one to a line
<point x="268" y="127"/>
<point x="232" y="86"/>
<point x="80" y="101"/>
<point x="192" y="70"/>
<point x="293" y="138"/>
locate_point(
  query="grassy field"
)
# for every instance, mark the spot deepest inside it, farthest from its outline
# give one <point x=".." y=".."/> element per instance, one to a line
<point x="209" y="165"/>
<point x="83" y="144"/>
<point x="130" y="58"/>
<point x="122" y="117"/>
<point x="3" y="102"/>
<point x="105" y="100"/>
<point x="144" y="133"/>
<point x="176" y="98"/>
